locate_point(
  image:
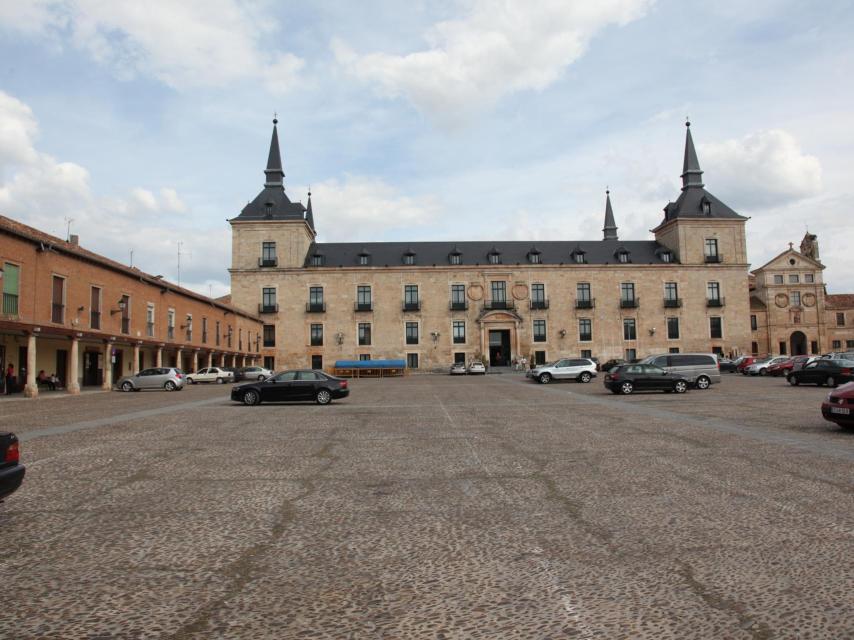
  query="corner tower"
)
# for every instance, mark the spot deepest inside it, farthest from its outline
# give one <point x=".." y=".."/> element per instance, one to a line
<point x="271" y="231"/>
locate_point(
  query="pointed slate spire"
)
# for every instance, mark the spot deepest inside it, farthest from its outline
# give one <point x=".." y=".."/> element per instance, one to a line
<point x="275" y="174"/>
<point x="692" y="175"/>
<point x="610" y="229"/>
<point x="309" y="214"/>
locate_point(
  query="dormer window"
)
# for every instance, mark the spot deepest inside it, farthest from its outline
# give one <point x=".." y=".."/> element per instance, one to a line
<point x="666" y="256"/>
<point x="706" y="206"/>
<point x="494" y="256"/>
<point x="364" y="258"/>
<point x="268" y="209"/>
<point x="316" y="260"/>
<point x="455" y="257"/>
<point x="623" y="255"/>
<point x="534" y="256"/>
<point x="409" y="257"/>
<point x="578" y="256"/>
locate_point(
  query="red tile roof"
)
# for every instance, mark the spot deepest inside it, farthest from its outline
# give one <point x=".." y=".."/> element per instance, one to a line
<point x="839" y="301"/>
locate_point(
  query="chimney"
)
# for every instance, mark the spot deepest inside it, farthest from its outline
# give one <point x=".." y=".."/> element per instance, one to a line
<point x="74" y="239"/>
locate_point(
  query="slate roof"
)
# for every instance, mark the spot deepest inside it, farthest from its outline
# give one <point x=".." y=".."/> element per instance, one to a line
<point x="839" y="301"/>
<point x="476" y="252"/>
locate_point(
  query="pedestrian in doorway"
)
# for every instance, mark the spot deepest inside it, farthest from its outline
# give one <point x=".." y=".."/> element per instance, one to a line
<point x="10" y="379"/>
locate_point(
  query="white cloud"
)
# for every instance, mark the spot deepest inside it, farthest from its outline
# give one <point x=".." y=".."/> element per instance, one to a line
<point x="498" y="48"/>
<point x="192" y="43"/>
<point x="763" y="169"/>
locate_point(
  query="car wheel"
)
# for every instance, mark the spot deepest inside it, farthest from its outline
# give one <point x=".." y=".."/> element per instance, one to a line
<point x="680" y="386"/>
<point x="251" y="398"/>
<point x="190" y="381"/>
<point x="626" y="388"/>
<point x="220" y="381"/>
<point x="260" y="378"/>
<point x="831" y="381"/>
<point x="323" y="397"/>
<point x="585" y="377"/>
<point x="170" y="386"/>
<point x="545" y="378"/>
<point x="763" y="372"/>
<point x="703" y="382"/>
<point x="792" y="380"/>
<point x="127" y="385"/>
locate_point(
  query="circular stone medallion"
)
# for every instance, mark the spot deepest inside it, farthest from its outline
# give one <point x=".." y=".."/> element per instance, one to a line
<point x="781" y="300"/>
<point x="475" y="292"/>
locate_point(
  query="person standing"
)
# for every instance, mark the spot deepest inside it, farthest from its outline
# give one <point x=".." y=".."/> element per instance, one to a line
<point x="10" y="378"/>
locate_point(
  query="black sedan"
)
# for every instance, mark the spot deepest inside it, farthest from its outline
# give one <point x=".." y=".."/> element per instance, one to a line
<point x="643" y="377"/>
<point x="829" y="372"/>
<point x="292" y="386"/>
<point x="727" y="366"/>
<point x="11" y="470"/>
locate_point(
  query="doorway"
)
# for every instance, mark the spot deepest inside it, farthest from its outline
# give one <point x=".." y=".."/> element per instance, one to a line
<point x="62" y="367"/>
<point x="499" y="347"/>
<point x="117" y="365"/>
<point x="91" y="370"/>
<point x="22" y="367"/>
<point x="798" y="342"/>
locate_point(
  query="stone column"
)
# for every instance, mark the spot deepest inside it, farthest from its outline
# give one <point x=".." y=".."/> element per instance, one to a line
<point x="159" y="362"/>
<point x="72" y="385"/>
<point x="178" y="356"/>
<point x="31" y="388"/>
<point x="108" y="367"/>
<point x="135" y="367"/>
<point x="195" y="361"/>
<point x="210" y="359"/>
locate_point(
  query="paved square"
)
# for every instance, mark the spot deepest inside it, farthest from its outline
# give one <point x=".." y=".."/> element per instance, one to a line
<point x="432" y="507"/>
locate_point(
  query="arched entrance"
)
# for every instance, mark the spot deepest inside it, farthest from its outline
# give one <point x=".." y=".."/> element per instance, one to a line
<point x="499" y="337"/>
<point x="798" y="344"/>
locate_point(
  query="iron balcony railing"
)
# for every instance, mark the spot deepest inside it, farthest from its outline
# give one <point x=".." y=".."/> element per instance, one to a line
<point x="585" y="304"/>
<point x="459" y="306"/>
<point x="125" y="325"/>
<point x="412" y="306"/>
<point x="10" y="304"/>
<point x="498" y="304"/>
<point x="634" y="303"/>
<point x="268" y="262"/>
<point x="363" y="306"/>
<point x="149" y="329"/>
<point x="715" y="302"/>
<point x="57" y="311"/>
<point x="714" y="259"/>
<point x="315" y="307"/>
<point x="95" y="319"/>
<point x="170" y="333"/>
<point x="268" y="308"/>
<point x="539" y="304"/>
<point x="672" y="303"/>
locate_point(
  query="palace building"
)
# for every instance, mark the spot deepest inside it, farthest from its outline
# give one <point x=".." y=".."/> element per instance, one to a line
<point x="433" y="303"/>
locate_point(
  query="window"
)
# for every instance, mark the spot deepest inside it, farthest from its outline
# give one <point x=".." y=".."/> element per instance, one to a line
<point x="538" y="296"/>
<point x="796" y="298"/>
<point x="582" y="296"/>
<point x="268" y="300"/>
<point x="316" y="335"/>
<point x="630" y="330"/>
<point x="809" y="278"/>
<point x="539" y="357"/>
<point x="711" y="249"/>
<point x="778" y="279"/>
<point x="754" y="348"/>
<point x="95" y="308"/>
<point x="268" y="254"/>
<point x="317" y="362"/>
<point x="499" y="291"/>
<point x="585" y="330"/>
<point x="411" y="333"/>
<point x="216" y="340"/>
<point x="534" y="258"/>
<point x="671" y="295"/>
<point x="189" y="328"/>
<point x="269" y="335"/>
<point x="627" y="293"/>
<point x="363" y="297"/>
<point x="58" y="306"/>
<point x="849" y="344"/>
<point x="754" y="323"/>
<point x="410" y="297"/>
<point x="409" y="258"/>
<point x="672" y="328"/>
<point x="170" y="324"/>
<point x="713" y="291"/>
<point x="458" y="296"/>
<point x="412" y="360"/>
<point x="456" y="258"/>
<point x="836" y="344"/>
<point x="124" y="305"/>
<point x="494" y="258"/>
<point x="316" y="260"/>
<point x="315" y="299"/>
<point x="539" y="330"/>
<point x="586" y="353"/>
<point x="840" y="319"/>
<point x="623" y="256"/>
<point x="716" y="331"/>
<point x="631" y="354"/>
<point x="666" y="256"/>
<point x="782" y="348"/>
<point x="364" y="333"/>
<point x="796" y="318"/>
<point x="364" y="357"/>
<point x="204" y="330"/>
<point x="793" y="278"/>
<point x="364" y="259"/>
<point x="578" y="257"/>
<point x="228" y="336"/>
<point x="459" y="331"/>
<point x="11" y="284"/>
<point x="460" y="356"/>
<point x="149" y="320"/>
<point x="270" y="363"/>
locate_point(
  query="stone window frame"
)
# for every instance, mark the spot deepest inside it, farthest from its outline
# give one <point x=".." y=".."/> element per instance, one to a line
<point x="454" y="326"/>
<point x="370" y="334"/>
<point x="721" y="321"/>
<point x="589" y="322"/>
<point x="311" y="334"/>
<point x="406" y="327"/>
<point x="630" y="325"/>
<point x="539" y="337"/>
<point x="667" y="321"/>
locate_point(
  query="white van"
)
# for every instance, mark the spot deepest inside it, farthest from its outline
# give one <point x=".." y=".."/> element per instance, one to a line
<point x="701" y="369"/>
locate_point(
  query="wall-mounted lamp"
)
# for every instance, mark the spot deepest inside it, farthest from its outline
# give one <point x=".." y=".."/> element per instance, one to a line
<point x="121" y="308"/>
<point x="652" y="331"/>
<point x="339" y="338"/>
<point x="435" y="335"/>
<point x="562" y="333"/>
<point x="80" y="308"/>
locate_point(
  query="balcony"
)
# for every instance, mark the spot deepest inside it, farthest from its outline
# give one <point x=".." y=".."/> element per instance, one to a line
<point x="10" y="304"/>
<point x="315" y="307"/>
<point x="125" y="325"/>
<point x="585" y="304"/>
<point x="672" y="303"/>
<point x="269" y="343"/>
<point x="493" y="305"/>
<point x="204" y="337"/>
<point x="714" y="259"/>
<point x="316" y="341"/>
<point x="412" y="306"/>
<point x="189" y="337"/>
<point x="585" y="337"/>
<point x="539" y="304"/>
<point x="363" y="306"/>
<point x="715" y="302"/>
<point x="268" y="308"/>
<point x="95" y="319"/>
<point x="149" y="329"/>
<point x="634" y="303"/>
<point x="459" y="339"/>
<point x="57" y="312"/>
<point x="268" y="262"/>
<point x="459" y="306"/>
<point x="170" y="333"/>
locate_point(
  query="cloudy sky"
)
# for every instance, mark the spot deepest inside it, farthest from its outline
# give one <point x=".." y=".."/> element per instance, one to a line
<point x="148" y="123"/>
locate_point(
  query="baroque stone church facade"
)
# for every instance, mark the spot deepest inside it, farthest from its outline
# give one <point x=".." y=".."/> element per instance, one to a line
<point x="433" y="303"/>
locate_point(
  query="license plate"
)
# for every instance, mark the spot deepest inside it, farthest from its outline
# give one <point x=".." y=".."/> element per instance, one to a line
<point x="840" y="410"/>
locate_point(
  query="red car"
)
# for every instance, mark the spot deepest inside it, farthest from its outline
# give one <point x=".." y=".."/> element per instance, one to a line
<point x="746" y="361"/>
<point x="838" y="407"/>
<point x="781" y="368"/>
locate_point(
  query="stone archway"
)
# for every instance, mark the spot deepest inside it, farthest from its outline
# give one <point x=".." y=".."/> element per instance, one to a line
<point x="503" y="325"/>
<point x="798" y="344"/>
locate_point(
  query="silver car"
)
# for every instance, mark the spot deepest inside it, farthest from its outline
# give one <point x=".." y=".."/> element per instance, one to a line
<point x="760" y="367"/>
<point x="166" y="378"/>
<point x="701" y="369"/>
<point x="581" y="369"/>
<point x="458" y="369"/>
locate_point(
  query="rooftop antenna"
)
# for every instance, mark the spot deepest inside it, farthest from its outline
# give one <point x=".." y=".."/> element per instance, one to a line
<point x="68" y="222"/>
<point x="180" y="244"/>
<point x="131" y="257"/>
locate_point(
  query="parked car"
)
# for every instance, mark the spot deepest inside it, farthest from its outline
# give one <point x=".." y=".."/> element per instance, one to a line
<point x="210" y="374"/>
<point x="839" y="355"/>
<point x="838" y="407"/>
<point x="781" y="368"/>
<point x="700" y="369"/>
<point x="727" y="365"/>
<point x="610" y="364"/>
<point x="829" y="372"/>
<point x="252" y="373"/>
<point x="760" y="367"/>
<point x="800" y="362"/>
<point x="168" y="378"/>
<point x="11" y="470"/>
<point x="476" y="367"/>
<point x="458" y="368"/>
<point x="289" y="386"/>
<point x="628" y="378"/>
<point x="744" y="361"/>
<point x="580" y="369"/>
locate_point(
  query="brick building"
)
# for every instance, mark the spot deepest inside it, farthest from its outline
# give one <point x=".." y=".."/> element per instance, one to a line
<point x="432" y="303"/>
<point x="90" y="320"/>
